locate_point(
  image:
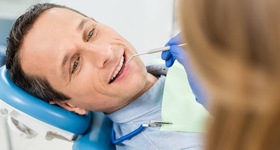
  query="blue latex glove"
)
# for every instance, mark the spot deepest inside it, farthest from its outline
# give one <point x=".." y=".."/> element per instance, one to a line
<point x="179" y="54"/>
<point x="175" y="52"/>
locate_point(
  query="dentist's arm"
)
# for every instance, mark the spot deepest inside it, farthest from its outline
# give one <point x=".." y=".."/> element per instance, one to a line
<point x="179" y="54"/>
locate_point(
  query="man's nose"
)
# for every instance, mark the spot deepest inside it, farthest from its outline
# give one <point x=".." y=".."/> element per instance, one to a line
<point x="100" y="54"/>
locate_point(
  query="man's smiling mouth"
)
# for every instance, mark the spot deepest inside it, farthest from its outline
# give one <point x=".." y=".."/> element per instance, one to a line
<point x="118" y="70"/>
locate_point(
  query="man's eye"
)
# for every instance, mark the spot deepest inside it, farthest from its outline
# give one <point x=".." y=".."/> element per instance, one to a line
<point x="90" y="35"/>
<point x="75" y="65"/>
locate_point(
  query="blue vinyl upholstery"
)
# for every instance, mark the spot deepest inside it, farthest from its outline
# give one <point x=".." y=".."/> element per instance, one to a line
<point x="98" y="136"/>
<point x="2" y="55"/>
<point x="41" y="110"/>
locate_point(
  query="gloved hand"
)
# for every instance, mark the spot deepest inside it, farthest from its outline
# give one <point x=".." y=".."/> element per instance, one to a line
<point x="175" y="52"/>
<point x="179" y="54"/>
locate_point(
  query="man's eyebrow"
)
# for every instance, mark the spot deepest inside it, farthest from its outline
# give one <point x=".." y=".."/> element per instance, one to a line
<point x="82" y="24"/>
<point x="64" y="60"/>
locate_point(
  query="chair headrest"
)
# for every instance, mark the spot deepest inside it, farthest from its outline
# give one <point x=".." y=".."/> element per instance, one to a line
<point x="39" y="109"/>
<point x="2" y="55"/>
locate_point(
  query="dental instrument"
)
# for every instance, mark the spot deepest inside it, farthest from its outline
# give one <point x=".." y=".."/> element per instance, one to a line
<point x="156" y="50"/>
<point x="137" y="131"/>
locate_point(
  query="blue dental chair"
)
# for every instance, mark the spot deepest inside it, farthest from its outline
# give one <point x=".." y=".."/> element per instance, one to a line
<point x="88" y="132"/>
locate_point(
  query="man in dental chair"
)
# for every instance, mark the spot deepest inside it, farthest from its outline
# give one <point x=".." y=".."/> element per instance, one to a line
<point x="66" y="58"/>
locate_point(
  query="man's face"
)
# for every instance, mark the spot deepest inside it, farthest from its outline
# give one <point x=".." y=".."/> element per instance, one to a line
<point x="83" y="59"/>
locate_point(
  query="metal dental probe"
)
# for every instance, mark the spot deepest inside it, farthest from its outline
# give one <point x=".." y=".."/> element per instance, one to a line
<point x="156" y="50"/>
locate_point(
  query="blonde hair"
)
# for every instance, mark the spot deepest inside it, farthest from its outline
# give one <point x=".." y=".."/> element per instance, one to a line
<point x="235" y="48"/>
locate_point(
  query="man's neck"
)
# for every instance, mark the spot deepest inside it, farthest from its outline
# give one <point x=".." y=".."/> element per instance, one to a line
<point x="151" y="80"/>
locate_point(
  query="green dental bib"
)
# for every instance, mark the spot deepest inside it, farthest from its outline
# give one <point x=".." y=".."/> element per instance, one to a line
<point x="179" y="105"/>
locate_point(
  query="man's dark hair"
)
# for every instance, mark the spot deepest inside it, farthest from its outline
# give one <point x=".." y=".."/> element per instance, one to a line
<point x="35" y="85"/>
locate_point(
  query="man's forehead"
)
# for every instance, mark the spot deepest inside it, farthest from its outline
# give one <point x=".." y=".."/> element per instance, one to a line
<point x="60" y="13"/>
<point x="48" y="32"/>
<point x="52" y="22"/>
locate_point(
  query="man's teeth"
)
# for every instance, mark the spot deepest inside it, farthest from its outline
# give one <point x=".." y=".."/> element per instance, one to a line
<point x="118" y="69"/>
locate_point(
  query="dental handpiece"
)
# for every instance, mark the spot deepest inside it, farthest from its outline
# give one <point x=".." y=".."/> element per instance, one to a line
<point x="156" y="50"/>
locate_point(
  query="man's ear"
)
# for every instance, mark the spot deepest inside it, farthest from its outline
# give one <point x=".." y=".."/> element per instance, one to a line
<point x="66" y="105"/>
